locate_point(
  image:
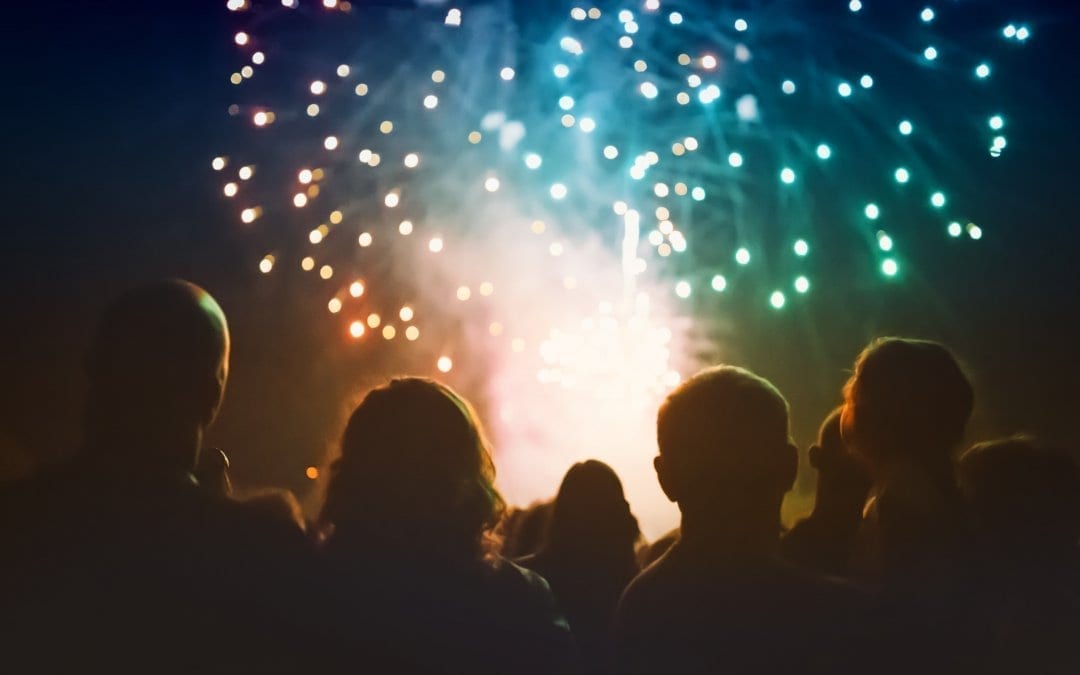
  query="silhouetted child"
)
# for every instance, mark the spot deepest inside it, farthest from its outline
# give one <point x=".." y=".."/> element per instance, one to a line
<point x="722" y="600"/>
<point x="823" y="541"/>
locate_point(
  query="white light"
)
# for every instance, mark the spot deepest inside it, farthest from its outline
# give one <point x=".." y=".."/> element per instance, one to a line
<point x="708" y="62"/>
<point x="855" y="5"/>
<point x="343" y="70"/>
<point x="561" y="70"/>
<point x="872" y="211"/>
<point x="866" y="81"/>
<point x="905" y="127"/>
<point x="491" y="184"/>
<point x="844" y="89"/>
<point x="1022" y="33"/>
<point x="974" y="231"/>
<point x="801" y="248"/>
<point x="682" y="289"/>
<point x="742" y="256"/>
<point x="611" y="152"/>
<point x="788" y="87"/>
<point x="741" y="25"/>
<point x="930" y="53"/>
<point x="889" y="267"/>
<point x="823" y="151"/>
<point x="885" y="242"/>
<point x="558" y="191"/>
<point x="802" y="284"/>
<point x="571" y="46"/>
<point x="330" y="142"/>
<point x="533" y="160"/>
<point x="982" y="71"/>
<point x="430" y="101"/>
<point x="566" y="102"/>
<point x="587" y="124"/>
<point x="937" y="200"/>
<point x="735" y="159"/>
<point x="648" y="90"/>
<point x="412" y="160"/>
<point x="709" y="94"/>
<point x="927" y="15"/>
<point x="435" y="245"/>
<point x="675" y="18"/>
<point x="902" y="175"/>
<point x="1009" y="31"/>
<point x="698" y="193"/>
<point x="777" y="299"/>
<point x="996" y="122"/>
<point x="787" y="175"/>
<point x="444" y="364"/>
<point x="955" y="230"/>
<point x="719" y="283"/>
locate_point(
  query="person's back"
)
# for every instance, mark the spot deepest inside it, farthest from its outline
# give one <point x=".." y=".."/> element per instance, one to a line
<point x="412" y="583"/>
<point x="120" y="561"/>
<point x="589" y="556"/>
<point x="906" y="407"/>
<point x="721" y="599"/>
<point x="1026" y="501"/>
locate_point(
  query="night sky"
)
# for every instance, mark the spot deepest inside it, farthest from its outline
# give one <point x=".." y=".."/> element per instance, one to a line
<point x="111" y="113"/>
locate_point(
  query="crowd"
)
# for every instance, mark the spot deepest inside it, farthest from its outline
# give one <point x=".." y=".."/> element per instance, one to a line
<point x="918" y="556"/>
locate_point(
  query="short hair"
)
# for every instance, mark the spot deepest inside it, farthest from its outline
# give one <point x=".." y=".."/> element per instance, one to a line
<point x="725" y="422"/>
<point x="415" y="466"/>
<point x="908" y="397"/>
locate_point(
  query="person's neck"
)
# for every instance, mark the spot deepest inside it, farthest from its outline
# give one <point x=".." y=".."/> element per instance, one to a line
<point x="843" y="513"/>
<point x="733" y="528"/>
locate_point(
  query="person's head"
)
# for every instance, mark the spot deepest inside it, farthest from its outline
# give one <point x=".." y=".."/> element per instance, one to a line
<point x="590" y="514"/>
<point x="415" y="472"/>
<point x="1025" y="496"/>
<point x="842" y="483"/>
<point x="156" y="371"/>
<point x="907" y="402"/>
<point x="724" y="443"/>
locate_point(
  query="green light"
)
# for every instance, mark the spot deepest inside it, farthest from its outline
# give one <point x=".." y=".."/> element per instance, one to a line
<point x="889" y="267"/>
<point x="777" y="299"/>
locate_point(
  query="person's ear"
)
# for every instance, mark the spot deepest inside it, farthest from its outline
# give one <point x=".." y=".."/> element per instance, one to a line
<point x="814" y="454"/>
<point x="665" y="477"/>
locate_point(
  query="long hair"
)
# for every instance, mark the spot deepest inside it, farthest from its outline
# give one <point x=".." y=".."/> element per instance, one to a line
<point x="590" y="516"/>
<point x="415" y="473"/>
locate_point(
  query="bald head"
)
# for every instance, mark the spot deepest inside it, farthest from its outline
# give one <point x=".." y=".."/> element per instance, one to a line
<point x="160" y="356"/>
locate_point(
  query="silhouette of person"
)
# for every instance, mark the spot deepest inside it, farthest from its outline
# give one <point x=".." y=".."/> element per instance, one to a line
<point x="906" y="407"/>
<point x="409" y="508"/>
<point x="589" y="556"/>
<point x="120" y="561"/>
<point x="524" y="529"/>
<point x="722" y="599"/>
<point x="1025" y="498"/>
<point x="823" y="541"/>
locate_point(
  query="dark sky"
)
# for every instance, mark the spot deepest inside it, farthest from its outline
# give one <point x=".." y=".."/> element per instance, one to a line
<point x="111" y="110"/>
